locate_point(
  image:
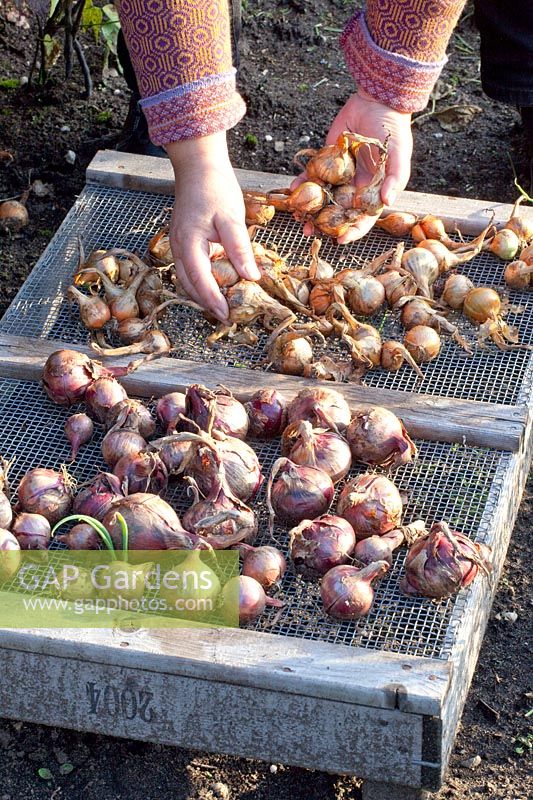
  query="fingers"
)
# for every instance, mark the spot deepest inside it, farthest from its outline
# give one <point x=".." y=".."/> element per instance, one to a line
<point x="359" y="229"/>
<point x="398" y="168"/>
<point x="194" y="270"/>
<point x="236" y="242"/>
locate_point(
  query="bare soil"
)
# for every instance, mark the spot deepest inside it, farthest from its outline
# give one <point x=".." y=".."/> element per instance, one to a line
<point x="294" y="80"/>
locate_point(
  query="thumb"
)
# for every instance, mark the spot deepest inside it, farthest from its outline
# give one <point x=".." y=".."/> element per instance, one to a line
<point x="236" y="242"/>
<point x="398" y="171"/>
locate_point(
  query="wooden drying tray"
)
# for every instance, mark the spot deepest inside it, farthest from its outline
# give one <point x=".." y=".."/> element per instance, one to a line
<point x="429" y="417"/>
<point x="149" y="174"/>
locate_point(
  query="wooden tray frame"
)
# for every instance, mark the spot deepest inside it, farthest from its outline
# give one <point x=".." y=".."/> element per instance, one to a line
<point x="387" y="718"/>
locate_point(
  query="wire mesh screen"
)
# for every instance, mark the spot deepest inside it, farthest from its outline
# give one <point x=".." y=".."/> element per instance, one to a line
<point x="105" y="217"/>
<point x="447" y="482"/>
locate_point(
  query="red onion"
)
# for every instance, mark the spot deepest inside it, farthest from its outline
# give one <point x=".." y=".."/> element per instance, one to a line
<point x="79" y="429"/>
<point x="102" y="395"/>
<point x="46" y="492"/>
<point x="252" y="598"/>
<point x="173" y="453"/>
<point x="67" y="374"/>
<point x="221" y="519"/>
<point x="152" y="525"/>
<point x="121" y="442"/>
<point x="296" y="493"/>
<point x="241" y="466"/>
<point x="32" y="531"/>
<point x="441" y="563"/>
<point x="9" y="564"/>
<point x="377" y="437"/>
<point x="265" y="564"/>
<point x="267" y="413"/>
<point x="80" y="537"/>
<point x="95" y="498"/>
<point x="320" y="448"/>
<point x="218" y="410"/>
<point x="6" y="512"/>
<point x="380" y="548"/>
<point x="322" y="407"/>
<point x="347" y="592"/>
<point x="203" y="593"/>
<point x="142" y="472"/>
<point x="318" y="545"/>
<point x="371" y="504"/>
<point x="132" y="415"/>
<point x="168" y="409"/>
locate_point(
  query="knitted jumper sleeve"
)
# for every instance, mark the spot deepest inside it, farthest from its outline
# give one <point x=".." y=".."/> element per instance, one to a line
<point x="396" y="49"/>
<point x="181" y="54"/>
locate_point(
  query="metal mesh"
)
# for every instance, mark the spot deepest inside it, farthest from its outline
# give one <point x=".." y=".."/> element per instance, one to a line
<point x="447" y="482"/>
<point x="105" y="217"/>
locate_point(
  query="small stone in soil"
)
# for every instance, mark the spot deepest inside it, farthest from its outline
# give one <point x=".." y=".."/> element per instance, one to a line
<point x="510" y="616"/>
<point x="279" y="146"/>
<point x="70" y="157"/>
<point x="268" y="137"/>
<point x="273" y="768"/>
<point x="220" y="790"/>
<point x="64" y="129"/>
<point x="471" y="763"/>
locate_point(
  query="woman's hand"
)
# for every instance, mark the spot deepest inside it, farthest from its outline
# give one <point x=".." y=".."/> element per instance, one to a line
<point x="362" y="114"/>
<point x="208" y="209"/>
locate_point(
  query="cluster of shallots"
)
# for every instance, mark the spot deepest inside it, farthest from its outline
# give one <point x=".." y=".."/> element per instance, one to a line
<point x="125" y="296"/>
<point x="327" y="200"/>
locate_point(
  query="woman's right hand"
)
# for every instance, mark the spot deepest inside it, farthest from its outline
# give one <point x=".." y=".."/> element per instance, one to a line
<point x="208" y="210"/>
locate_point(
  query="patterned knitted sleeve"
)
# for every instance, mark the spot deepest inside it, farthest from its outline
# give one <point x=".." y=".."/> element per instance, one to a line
<point x="396" y="49"/>
<point x="181" y="54"/>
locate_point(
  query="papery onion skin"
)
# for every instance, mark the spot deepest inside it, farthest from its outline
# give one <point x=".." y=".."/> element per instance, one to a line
<point x="316" y="546"/>
<point x="67" y="374"/>
<point x="47" y="492"/>
<point x="13" y="216"/>
<point x="317" y="447"/>
<point x="423" y="343"/>
<point x="79" y="429"/>
<point x="102" y="395"/>
<point x="81" y="537"/>
<point x="252" y="597"/>
<point x="152" y="525"/>
<point x="144" y="472"/>
<point x="380" y="548"/>
<point x="221" y="519"/>
<point x="6" y="512"/>
<point x="455" y="290"/>
<point x="168" y="409"/>
<point x="95" y="498"/>
<point x="320" y="406"/>
<point x="527" y="255"/>
<point x="372" y="505"/>
<point x="377" y="437"/>
<point x="131" y="415"/>
<point x="230" y="417"/>
<point x="267" y="414"/>
<point x="505" y="244"/>
<point x="519" y="275"/>
<point x="397" y="223"/>
<point x="296" y="493"/>
<point x="347" y="591"/>
<point x="482" y="303"/>
<point x="441" y="563"/>
<point x="172" y="453"/>
<point x="265" y="564"/>
<point x="120" y="442"/>
<point x="241" y="467"/>
<point x="367" y="297"/>
<point x="33" y="531"/>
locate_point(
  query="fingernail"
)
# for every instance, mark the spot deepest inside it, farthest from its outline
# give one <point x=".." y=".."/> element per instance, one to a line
<point x="220" y="310"/>
<point x="252" y="272"/>
<point x="391" y="197"/>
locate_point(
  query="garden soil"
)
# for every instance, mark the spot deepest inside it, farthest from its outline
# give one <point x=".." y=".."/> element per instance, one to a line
<point x="294" y="81"/>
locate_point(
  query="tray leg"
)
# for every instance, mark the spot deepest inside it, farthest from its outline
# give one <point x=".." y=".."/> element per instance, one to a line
<point x="373" y="790"/>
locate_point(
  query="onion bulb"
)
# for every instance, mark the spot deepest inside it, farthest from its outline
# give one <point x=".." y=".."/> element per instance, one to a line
<point x="296" y="493"/>
<point x="94" y="312"/>
<point x="33" y="531"/>
<point x="13" y="216"/>
<point x="442" y="562"/>
<point x="322" y="407"/>
<point x="47" y="492"/>
<point x="252" y="598"/>
<point x="519" y="275"/>
<point x="504" y="244"/>
<point x="423" y="343"/>
<point x="317" y="447"/>
<point x="265" y="564"/>
<point x="79" y="429"/>
<point x="347" y="592"/>
<point x="318" y="545"/>
<point x="267" y="413"/>
<point x="332" y="164"/>
<point x="9" y="555"/>
<point x="455" y="290"/>
<point x="372" y="505"/>
<point x="397" y="223"/>
<point x="377" y="437"/>
<point x="482" y="303"/>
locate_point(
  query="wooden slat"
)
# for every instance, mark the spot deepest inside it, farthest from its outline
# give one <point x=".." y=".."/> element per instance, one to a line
<point x="211" y="716"/>
<point x="149" y="174"/>
<point x="425" y="416"/>
<point x="257" y="660"/>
